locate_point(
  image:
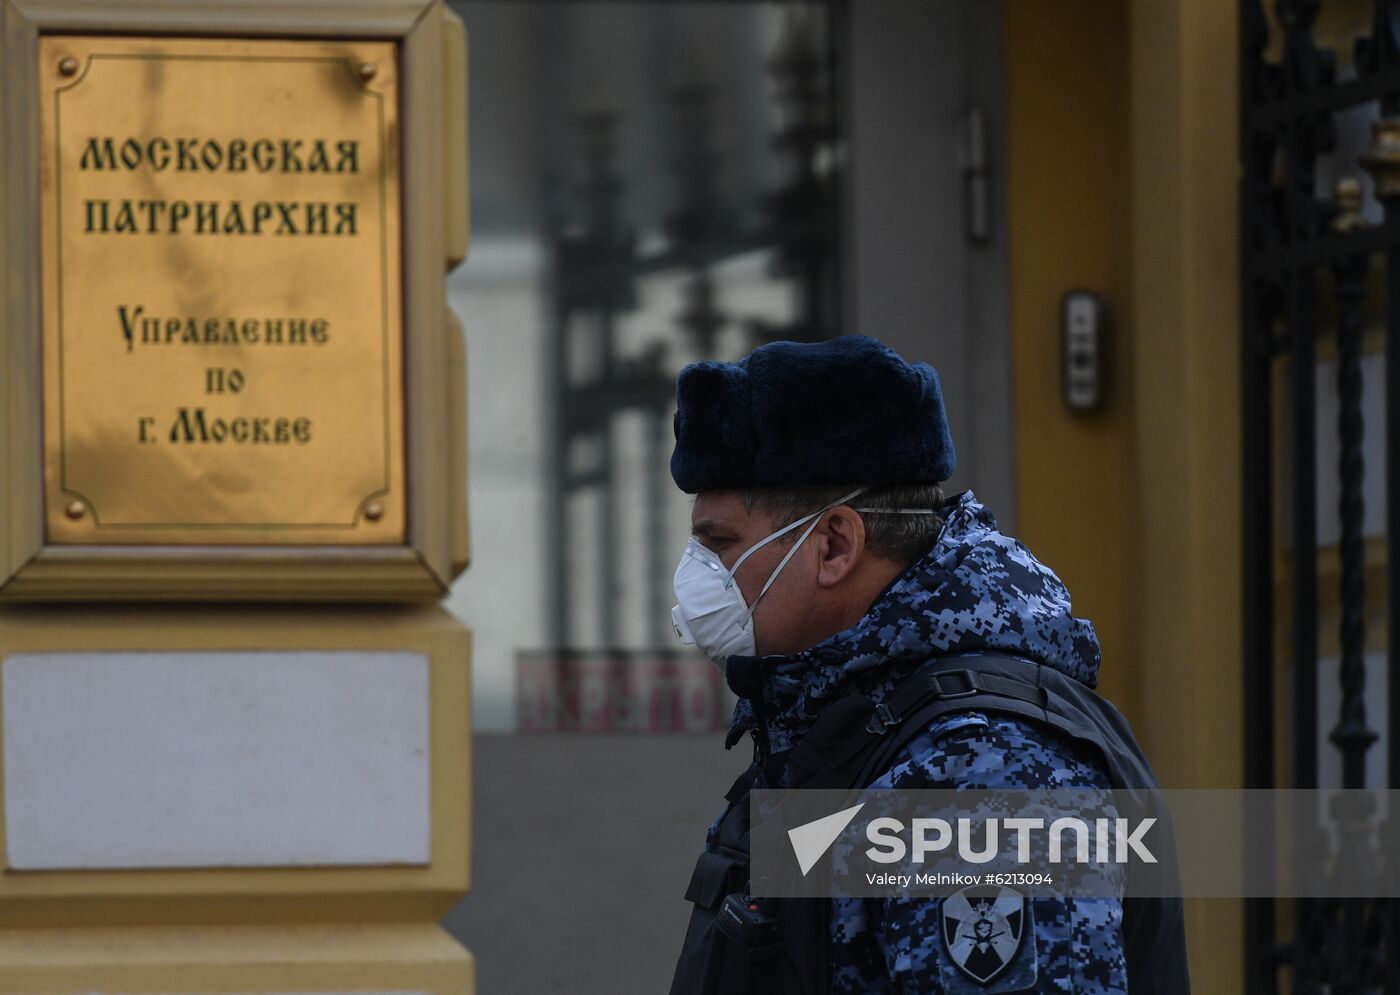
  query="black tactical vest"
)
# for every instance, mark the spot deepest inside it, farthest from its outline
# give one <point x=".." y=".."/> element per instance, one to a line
<point x="737" y="945"/>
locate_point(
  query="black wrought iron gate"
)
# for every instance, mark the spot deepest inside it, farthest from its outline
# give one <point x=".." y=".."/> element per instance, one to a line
<point x="1320" y="251"/>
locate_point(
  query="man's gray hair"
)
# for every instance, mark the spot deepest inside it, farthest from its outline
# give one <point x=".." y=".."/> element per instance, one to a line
<point x="902" y="538"/>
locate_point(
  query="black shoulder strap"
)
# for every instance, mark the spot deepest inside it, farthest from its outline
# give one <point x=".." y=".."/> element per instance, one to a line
<point x="855" y="734"/>
<point x="923" y="688"/>
<point x="929" y="695"/>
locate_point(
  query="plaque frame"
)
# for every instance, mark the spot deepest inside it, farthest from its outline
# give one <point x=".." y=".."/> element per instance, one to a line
<point x="431" y="43"/>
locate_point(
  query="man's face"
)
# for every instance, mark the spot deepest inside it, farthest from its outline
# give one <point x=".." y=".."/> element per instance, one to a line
<point x="784" y="620"/>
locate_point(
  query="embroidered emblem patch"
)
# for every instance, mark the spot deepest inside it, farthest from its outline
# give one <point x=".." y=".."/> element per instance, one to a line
<point x="983" y="926"/>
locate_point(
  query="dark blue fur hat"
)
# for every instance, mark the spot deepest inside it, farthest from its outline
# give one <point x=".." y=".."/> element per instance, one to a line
<point x="847" y="410"/>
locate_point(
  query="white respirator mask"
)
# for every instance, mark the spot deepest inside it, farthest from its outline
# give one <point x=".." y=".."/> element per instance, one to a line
<point x="711" y="614"/>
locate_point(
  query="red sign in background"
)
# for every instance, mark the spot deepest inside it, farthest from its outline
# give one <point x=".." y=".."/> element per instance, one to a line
<point x="620" y="692"/>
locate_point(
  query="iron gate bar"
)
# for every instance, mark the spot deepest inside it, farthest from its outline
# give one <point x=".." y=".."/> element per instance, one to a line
<point x="1288" y="237"/>
<point x="1303" y="69"/>
<point x="1338" y="96"/>
<point x="1389" y="198"/>
<point x="1313" y="251"/>
<point x="1351" y="734"/>
<point x="1303" y="478"/>
<point x="1256" y="401"/>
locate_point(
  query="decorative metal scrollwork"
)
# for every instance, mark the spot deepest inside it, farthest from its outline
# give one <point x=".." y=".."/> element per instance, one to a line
<point x="1293" y="242"/>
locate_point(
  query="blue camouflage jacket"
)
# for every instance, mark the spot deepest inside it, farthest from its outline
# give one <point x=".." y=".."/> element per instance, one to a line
<point x="975" y="589"/>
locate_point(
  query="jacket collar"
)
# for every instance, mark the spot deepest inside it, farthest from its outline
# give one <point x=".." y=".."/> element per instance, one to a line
<point x="974" y="589"/>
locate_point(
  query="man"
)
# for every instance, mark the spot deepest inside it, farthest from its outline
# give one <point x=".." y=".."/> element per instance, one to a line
<point x="825" y="563"/>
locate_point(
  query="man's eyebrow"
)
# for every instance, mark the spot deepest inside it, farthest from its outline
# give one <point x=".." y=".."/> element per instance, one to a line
<point x="708" y="527"/>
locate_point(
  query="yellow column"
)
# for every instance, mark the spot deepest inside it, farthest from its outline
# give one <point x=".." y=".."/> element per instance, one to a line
<point x="1186" y="320"/>
<point x="1121" y="179"/>
<point x="217" y="774"/>
<point x="1068" y="183"/>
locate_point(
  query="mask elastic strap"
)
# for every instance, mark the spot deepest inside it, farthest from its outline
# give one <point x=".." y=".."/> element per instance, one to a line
<point x="779" y="569"/>
<point x="815" y="517"/>
<point x="763" y="542"/>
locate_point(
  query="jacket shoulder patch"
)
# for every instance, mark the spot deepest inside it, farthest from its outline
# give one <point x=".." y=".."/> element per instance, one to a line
<point x="988" y="937"/>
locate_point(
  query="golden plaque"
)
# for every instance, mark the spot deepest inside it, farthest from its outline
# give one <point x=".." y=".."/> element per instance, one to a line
<point x="222" y="291"/>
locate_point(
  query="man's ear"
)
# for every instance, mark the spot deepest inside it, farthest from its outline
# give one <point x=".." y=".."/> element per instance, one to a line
<point x="840" y="544"/>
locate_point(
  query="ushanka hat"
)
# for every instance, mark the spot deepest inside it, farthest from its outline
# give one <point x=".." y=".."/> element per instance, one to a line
<point x="847" y="410"/>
